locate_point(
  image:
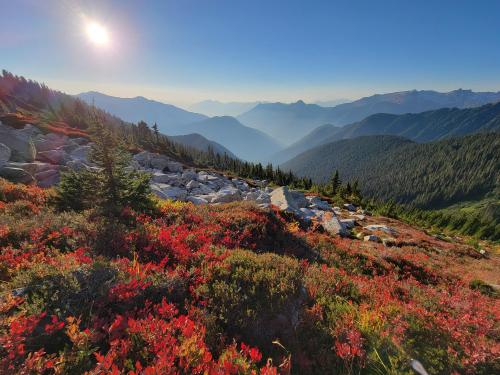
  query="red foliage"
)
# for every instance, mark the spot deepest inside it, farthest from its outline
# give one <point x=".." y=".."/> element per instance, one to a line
<point x="150" y="319"/>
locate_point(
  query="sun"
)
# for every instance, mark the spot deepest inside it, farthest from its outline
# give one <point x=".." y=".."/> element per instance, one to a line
<point x="97" y="34"/>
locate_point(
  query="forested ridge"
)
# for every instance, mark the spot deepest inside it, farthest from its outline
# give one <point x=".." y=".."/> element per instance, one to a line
<point x="430" y="175"/>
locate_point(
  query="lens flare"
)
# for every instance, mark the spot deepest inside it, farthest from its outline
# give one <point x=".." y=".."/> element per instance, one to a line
<point x="97" y="34"/>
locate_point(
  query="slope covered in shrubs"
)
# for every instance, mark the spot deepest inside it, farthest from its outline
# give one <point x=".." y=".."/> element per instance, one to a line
<point x="233" y="289"/>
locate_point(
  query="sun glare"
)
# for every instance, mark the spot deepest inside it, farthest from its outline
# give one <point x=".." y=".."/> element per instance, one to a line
<point x="97" y="34"/>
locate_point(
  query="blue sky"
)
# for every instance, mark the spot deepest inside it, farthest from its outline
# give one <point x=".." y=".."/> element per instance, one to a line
<point x="185" y="51"/>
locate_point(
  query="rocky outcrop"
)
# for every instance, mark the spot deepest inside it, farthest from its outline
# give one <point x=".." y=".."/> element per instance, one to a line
<point x="20" y="142"/>
<point x="4" y="154"/>
<point x="284" y="200"/>
<point x="80" y="153"/>
<point x="17" y="175"/>
<point x="58" y="156"/>
<point x="309" y="209"/>
<point x="227" y="195"/>
<point x="332" y="224"/>
<point x="149" y="160"/>
<point x="50" y="141"/>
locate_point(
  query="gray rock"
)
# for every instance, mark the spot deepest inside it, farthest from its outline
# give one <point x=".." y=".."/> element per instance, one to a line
<point x="370" y="237"/>
<point x="299" y="198"/>
<point x="157" y="189"/>
<point x="193" y="184"/>
<point x="58" y="156"/>
<point x="160" y="162"/>
<point x="150" y="160"/>
<point x="32" y="168"/>
<point x="4" y="154"/>
<point x="263" y="198"/>
<point x="50" y="141"/>
<point x="332" y="224"/>
<point x="348" y="223"/>
<point x="202" y="189"/>
<point x="80" y="141"/>
<point x="307" y="214"/>
<point x="166" y="191"/>
<point x="77" y="165"/>
<point x="174" y="166"/>
<point x="317" y="203"/>
<point x="189" y="175"/>
<point x="240" y="184"/>
<point x="226" y="195"/>
<point x="251" y="196"/>
<point x="48" y="178"/>
<point x="383" y="228"/>
<point x="282" y="198"/>
<point x="80" y="153"/>
<point x="176" y="193"/>
<point x="142" y="158"/>
<point x="349" y="207"/>
<point x="216" y="182"/>
<point x="202" y="176"/>
<point x="20" y="142"/>
<point x="167" y="178"/>
<point x="17" y="175"/>
<point x="208" y="197"/>
<point x="196" y="200"/>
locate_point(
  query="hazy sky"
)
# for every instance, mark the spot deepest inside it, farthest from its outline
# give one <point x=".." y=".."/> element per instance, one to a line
<point x="189" y="50"/>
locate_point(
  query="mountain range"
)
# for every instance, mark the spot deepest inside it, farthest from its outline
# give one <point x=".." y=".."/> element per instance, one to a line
<point x="243" y="141"/>
<point x="167" y="116"/>
<point x="420" y="127"/>
<point x="215" y="108"/>
<point x="290" y="122"/>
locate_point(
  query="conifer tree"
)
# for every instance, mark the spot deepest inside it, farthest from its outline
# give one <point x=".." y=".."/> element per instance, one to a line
<point x="110" y="186"/>
<point x="156" y="132"/>
<point x="335" y="183"/>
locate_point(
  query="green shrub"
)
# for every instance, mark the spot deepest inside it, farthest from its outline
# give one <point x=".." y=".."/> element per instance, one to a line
<point x="255" y="296"/>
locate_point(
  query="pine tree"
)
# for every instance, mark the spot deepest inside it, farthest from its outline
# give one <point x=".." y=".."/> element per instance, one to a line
<point x="335" y="183"/>
<point x="156" y="132"/>
<point x="109" y="187"/>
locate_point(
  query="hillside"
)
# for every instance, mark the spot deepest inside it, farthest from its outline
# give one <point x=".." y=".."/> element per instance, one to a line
<point x="428" y="175"/>
<point x="201" y="143"/>
<point x="235" y="289"/>
<point x="247" y="143"/>
<point x="293" y="121"/>
<point x="420" y="127"/>
<point x="169" y="118"/>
